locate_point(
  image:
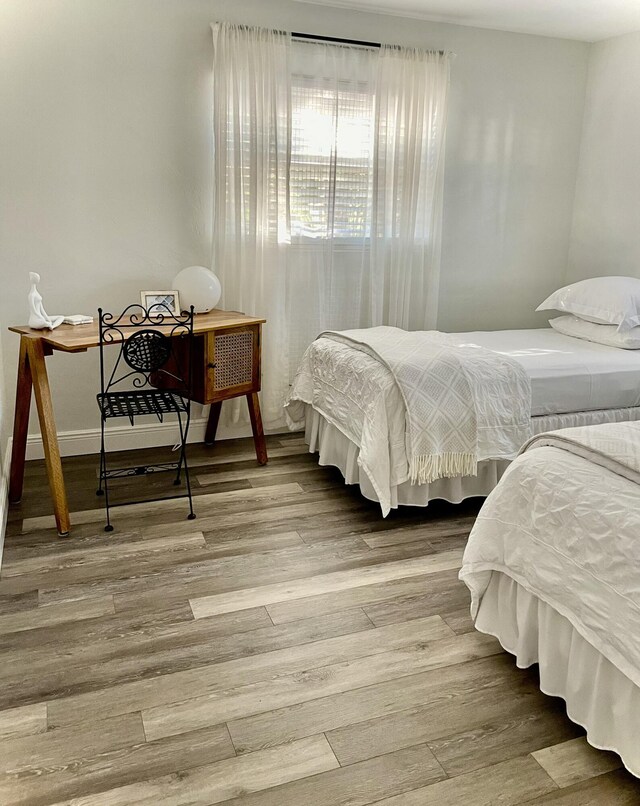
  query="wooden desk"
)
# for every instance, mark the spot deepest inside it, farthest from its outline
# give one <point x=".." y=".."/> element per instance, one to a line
<point x="227" y="351"/>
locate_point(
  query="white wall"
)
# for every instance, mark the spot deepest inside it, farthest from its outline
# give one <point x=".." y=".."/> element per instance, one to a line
<point x="105" y="158"/>
<point x="606" y="225"/>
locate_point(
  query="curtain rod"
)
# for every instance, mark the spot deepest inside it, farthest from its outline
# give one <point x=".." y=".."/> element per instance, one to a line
<point x="338" y="39"/>
<point x="341" y="41"/>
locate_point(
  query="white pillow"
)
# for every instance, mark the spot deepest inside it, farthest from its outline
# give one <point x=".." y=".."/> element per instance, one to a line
<point x="602" y="334"/>
<point x="604" y="300"/>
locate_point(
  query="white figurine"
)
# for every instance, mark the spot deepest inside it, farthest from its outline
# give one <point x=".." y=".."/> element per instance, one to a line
<point x="38" y="318"/>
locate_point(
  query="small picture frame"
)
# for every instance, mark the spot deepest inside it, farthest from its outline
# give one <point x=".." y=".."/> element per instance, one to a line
<point x="158" y="301"/>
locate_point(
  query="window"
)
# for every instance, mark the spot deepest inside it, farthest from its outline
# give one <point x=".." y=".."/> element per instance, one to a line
<point x="331" y="159"/>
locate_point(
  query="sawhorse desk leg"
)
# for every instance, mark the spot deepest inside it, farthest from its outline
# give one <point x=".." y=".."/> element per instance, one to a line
<point x="32" y="374"/>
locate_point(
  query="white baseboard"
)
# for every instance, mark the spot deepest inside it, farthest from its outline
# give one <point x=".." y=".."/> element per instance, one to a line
<point x="4" y="495"/>
<point x="119" y="438"/>
<point x="127" y="437"/>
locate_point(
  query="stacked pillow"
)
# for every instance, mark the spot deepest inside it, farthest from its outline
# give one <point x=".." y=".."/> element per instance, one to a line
<point x="605" y="310"/>
<point x="602" y="334"/>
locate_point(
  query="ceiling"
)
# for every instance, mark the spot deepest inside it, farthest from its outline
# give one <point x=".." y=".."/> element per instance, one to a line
<point x="588" y="20"/>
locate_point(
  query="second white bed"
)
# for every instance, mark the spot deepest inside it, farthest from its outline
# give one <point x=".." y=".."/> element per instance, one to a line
<point x="573" y="382"/>
<point x="552" y="563"/>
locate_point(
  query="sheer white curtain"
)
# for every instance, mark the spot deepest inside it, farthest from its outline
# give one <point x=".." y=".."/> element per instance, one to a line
<point x="411" y="108"/>
<point x="328" y="188"/>
<point x="251" y="128"/>
<point x="332" y="160"/>
<point x="366" y="188"/>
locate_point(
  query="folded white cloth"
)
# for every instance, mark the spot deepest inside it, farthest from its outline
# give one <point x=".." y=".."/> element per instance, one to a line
<point x="616" y="447"/>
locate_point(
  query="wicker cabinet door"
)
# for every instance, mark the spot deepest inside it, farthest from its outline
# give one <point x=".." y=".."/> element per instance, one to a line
<point x="233" y="362"/>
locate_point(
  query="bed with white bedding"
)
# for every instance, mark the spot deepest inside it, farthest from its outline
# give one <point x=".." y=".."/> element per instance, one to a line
<point x="355" y="416"/>
<point x="553" y="566"/>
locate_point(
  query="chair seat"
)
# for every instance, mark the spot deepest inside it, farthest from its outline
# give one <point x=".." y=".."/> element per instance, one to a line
<point x="138" y="403"/>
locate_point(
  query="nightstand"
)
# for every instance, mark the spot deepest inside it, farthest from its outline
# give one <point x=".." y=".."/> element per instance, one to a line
<point x="226" y="364"/>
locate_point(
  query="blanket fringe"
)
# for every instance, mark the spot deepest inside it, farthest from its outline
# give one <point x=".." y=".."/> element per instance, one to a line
<point x="431" y="467"/>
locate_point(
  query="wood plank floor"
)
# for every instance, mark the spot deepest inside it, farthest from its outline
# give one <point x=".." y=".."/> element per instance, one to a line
<point x="287" y="648"/>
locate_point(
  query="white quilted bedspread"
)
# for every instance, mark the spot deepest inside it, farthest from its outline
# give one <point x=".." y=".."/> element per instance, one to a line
<point x="406" y="398"/>
<point x="359" y="396"/>
<point x="463" y="403"/>
<point x="566" y="526"/>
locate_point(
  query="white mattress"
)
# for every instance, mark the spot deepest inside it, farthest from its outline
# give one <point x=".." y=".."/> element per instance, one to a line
<point x="567" y="374"/>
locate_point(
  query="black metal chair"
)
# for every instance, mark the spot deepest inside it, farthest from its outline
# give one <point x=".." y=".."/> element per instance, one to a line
<point x="152" y="374"/>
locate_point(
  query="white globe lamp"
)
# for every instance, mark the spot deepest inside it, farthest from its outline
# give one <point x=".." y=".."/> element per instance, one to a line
<point x="197" y="286"/>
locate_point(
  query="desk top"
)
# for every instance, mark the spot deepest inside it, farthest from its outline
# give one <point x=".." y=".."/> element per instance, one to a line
<point x="78" y="338"/>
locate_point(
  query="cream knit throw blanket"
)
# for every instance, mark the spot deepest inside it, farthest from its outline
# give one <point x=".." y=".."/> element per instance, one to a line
<point x="463" y="403"/>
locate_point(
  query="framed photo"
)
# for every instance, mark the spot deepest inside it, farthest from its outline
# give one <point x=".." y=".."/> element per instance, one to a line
<point x="158" y="301"/>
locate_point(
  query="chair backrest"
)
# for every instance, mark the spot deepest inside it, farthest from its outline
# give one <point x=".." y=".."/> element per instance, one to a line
<point x="155" y="349"/>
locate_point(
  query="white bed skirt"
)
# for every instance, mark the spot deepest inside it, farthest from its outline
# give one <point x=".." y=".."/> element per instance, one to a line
<point x="597" y="694"/>
<point x="336" y="449"/>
